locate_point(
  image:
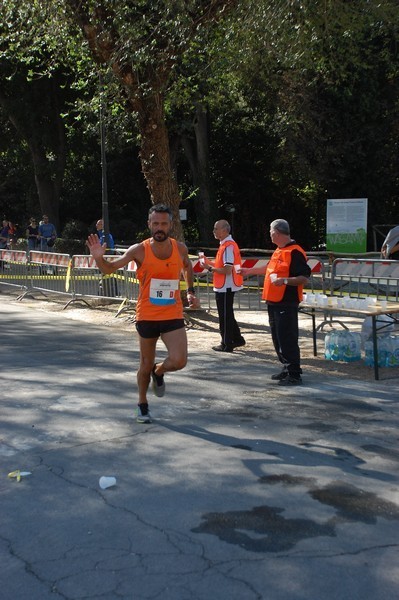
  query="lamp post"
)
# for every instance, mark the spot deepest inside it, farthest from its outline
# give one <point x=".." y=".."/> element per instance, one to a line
<point x="231" y="209"/>
<point x="104" y="188"/>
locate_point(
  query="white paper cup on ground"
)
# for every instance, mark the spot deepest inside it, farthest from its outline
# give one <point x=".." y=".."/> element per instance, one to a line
<point x="273" y="277"/>
<point x="106" y="482"/>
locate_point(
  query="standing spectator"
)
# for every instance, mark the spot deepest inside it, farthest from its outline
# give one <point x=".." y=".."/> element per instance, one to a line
<point x="285" y="275"/>
<point x="32" y="234"/>
<point x="390" y="247"/>
<point x="227" y="280"/>
<point x="12" y="233"/>
<point x="47" y="234"/>
<point x="101" y="235"/>
<point x="4" y="235"/>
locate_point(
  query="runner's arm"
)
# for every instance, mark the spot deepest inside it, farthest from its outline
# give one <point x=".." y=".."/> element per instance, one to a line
<point x="106" y="266"/>
<point x="187" y="266"/>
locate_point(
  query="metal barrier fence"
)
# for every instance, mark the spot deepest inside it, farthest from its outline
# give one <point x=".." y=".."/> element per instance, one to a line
<point x="80" y="279"/>
<point x="362" y="277"/>
<point x="13" y="268"/>
<point x="250" y="297"/>
<point x="87" y="281"/>
<point x="47" y="272"/>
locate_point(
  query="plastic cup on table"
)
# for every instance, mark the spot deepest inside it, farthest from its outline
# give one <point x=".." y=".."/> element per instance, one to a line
<point x="310" y="298"/>
<point x="333" y="301"/>
<point x="323" y="300"/>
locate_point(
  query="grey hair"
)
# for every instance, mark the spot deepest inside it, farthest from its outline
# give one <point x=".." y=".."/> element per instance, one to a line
<point x="280" y="225"/>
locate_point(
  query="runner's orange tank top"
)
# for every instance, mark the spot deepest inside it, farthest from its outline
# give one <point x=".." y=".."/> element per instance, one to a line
<point x="159" y="296"/>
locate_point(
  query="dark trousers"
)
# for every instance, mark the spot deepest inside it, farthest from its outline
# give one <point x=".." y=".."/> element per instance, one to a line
<point x="228" y="327"/>
<point x="283" y="321"/>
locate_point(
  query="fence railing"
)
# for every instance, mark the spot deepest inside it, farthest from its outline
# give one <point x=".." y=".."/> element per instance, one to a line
<point x="79" y="278"/>
<point x="363" y="277"/>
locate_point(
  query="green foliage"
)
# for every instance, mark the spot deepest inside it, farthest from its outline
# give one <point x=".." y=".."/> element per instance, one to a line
<point x="74" y="229"/>
<point x="302" y="99"/>
<point x="69" y="246"/>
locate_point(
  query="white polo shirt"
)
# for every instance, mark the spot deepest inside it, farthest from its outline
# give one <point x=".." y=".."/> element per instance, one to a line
<point x="228" y="259"/>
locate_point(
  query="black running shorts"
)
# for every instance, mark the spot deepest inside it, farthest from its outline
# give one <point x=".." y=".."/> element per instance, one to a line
<point x="154" y="329"/>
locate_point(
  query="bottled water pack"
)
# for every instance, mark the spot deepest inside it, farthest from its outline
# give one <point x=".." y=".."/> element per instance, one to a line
<point x="388" y="351"/>
<point x="342" y="345"/>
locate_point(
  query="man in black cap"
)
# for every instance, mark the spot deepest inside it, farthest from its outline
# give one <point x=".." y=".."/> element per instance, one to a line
<point x="285" y="275"/>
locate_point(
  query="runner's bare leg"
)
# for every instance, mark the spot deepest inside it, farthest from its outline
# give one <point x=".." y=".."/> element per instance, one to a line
<point x="176" y="345"/>
<point x="147" y="359"/>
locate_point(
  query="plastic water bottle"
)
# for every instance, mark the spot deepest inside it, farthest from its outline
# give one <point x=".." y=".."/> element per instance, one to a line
<point x="369" y="353"/>
<point x="327" y="346"/>
<point x="355" y="346"/>
<point x="383" y="351"/>
<point x="344" y="346"/>
<point x="334" y="346"/>
<point x="395" y="350"/>
<point x="389" y="357"/>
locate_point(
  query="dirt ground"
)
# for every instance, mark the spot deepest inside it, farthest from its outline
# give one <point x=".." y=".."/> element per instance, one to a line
<point x="202" y="331"/>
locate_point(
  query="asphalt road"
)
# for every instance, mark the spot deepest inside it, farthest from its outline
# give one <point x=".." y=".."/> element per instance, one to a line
<point x="239" y="490"/>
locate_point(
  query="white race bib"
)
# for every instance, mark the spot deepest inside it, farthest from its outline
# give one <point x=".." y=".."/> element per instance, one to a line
<point x="162" y="291"/>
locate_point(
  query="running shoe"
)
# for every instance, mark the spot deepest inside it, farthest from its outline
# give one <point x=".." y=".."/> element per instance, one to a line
<point x="158" y="383"/>
<point x="290" y="380"/>
<point x="143" y="414"/>
<point x="279" y="376"/>
<point x="223" y="348"/>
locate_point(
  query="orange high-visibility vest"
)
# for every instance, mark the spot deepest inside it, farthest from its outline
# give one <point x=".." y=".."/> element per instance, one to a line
<point x="280" y="263"/>
<point x="219" y="279"/>
<point x="159" y="296"/>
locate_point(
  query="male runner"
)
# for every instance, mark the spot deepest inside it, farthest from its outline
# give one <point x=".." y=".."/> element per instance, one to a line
<point x="160" y="262"/>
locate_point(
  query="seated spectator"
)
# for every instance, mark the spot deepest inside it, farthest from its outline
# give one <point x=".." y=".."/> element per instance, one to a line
<point x="390" y="247"/>
<point x="47" y="235"/>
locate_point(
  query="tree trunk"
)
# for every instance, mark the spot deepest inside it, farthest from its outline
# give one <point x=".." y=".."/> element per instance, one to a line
<point x="197" y="154"/>
<point x="44" y="134"/>
<point x="48" y="198"/>
<point x="144" y="82"/>
<point x="155" y="157"/>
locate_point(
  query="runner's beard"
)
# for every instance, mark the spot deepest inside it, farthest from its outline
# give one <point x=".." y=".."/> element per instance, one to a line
<point x="160" y="236"/>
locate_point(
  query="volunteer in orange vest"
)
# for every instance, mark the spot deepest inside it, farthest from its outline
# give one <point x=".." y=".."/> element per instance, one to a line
<point x="227" y="279"/>
<point x="160" y="261"/>
<point x="285" y="275"/>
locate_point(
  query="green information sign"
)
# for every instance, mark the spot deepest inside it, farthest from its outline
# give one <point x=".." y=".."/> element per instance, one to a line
<point x="347" y="225"/>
